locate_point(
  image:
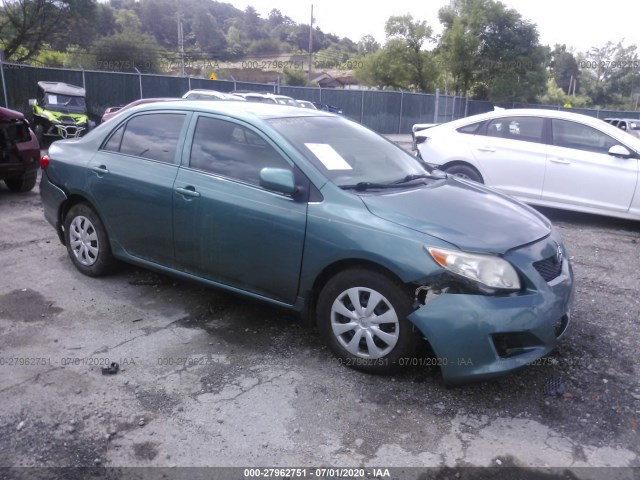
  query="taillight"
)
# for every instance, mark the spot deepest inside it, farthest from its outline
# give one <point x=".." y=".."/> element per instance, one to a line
<point x="44" y="161"/>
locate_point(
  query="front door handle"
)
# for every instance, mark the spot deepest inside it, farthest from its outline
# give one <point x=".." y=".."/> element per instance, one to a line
<point x="188" y="191"/>
<point x="101" y="170"/>
<point x="560" y="160"/>
<point x="487" y="149"/>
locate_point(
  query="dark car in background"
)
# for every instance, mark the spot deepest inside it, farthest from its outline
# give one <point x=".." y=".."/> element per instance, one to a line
<point x="19" y="152"/>
<point x="315" y="213"/>
<point x="327" y="108"/>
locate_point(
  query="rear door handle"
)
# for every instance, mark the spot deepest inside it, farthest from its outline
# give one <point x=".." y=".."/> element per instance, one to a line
<point x="560" y="160"/>
<point x="101" y="170"/>
<point x="188" y="191"/>
<point x="487" y="149"/>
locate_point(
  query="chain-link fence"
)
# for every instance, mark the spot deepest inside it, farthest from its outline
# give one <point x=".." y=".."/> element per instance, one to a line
<point x="381" y="110"/>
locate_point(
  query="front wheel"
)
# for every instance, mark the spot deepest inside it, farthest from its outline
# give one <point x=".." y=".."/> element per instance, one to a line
<point x="465" y="171"/>
<point x="361" y="315"/>
<point x="87" y="241"/>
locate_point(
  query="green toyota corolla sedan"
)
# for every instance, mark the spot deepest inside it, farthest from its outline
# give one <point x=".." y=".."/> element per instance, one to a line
<point x="312" y="212"/>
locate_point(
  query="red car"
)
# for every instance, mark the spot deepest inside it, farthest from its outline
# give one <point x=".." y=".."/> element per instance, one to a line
<point x="19" y="152"/>
<point x="113" y="111"/>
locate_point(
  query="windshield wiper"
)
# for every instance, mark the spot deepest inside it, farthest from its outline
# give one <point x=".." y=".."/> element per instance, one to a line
<point x="362" y="186"/>
<point x="411" y="178"/>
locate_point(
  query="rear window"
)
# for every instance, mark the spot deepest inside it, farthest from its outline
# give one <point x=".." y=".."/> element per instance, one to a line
<point x="153" y="136"/>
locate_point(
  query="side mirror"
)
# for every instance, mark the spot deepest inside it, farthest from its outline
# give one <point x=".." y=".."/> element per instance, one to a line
<point x="619" y="151"/>
<point x="32" y="102"/>
<point x="279" y="180"/>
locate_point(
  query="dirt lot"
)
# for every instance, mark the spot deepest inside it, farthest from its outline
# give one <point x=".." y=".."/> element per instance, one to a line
<point x="211" y="379"/>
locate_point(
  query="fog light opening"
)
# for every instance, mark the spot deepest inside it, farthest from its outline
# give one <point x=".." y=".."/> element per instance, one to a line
<point x="513" y="344"/>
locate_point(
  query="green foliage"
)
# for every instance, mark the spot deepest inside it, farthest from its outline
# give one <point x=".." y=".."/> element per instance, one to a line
<point x="564" y="69"/>
<point x="610" y="74"/>
<point x="49" y="58"/>
<point x="295" y="78"/>
<point x="367" y="45"/>
<point x="267" y="46"/>
<point x="77" y="57"/>
<point x="557" y="96"/>
<point x="128" y="51"/>
<point x="402" y="62"/>
<point x="485" y="43"/>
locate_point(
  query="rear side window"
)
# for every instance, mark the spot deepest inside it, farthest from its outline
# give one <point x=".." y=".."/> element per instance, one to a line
<point x="153" y="136"/>
<point x="526" y="129"/>
<point x="470" y="129"/>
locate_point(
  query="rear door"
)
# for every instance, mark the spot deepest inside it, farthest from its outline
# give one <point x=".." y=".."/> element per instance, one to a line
<point x="512" y="155"/>
<point x="131" y="179"/>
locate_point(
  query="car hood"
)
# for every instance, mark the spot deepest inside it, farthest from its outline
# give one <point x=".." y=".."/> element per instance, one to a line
<point x="465" y="214"/>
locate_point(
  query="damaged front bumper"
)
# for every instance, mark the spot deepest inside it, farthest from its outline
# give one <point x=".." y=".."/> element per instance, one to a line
<point x="475" y="336"/>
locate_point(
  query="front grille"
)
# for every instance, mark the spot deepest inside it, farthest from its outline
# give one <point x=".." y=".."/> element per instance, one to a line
<point x="549" y="268"/>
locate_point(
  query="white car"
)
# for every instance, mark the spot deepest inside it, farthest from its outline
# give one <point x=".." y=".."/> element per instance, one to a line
<point x="267" y="98"/>
<point x="542" y="157"/>
<point x="201" y="94"/>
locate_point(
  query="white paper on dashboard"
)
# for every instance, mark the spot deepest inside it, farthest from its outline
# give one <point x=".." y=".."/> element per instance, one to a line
<point x="53" y="99"/>
<point x="328" y="156"/>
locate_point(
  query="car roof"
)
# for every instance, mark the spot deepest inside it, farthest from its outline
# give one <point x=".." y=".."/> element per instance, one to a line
<point x="62" y="88"/>
<point x="522" y="112"/>
<point x="242" y="110"/>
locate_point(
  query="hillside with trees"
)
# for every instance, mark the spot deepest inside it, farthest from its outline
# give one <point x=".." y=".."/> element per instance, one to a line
<point x="486" y="51"/>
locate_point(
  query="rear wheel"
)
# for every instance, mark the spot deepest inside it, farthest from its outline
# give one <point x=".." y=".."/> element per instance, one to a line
<point x="465" y="171"/>
<point x="24" y="183"/>
<point x="39" y="131"/>
<point x="87" y="241"/>
<point x="362" y="318"/>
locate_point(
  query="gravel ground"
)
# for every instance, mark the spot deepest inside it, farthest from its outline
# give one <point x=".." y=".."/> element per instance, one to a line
<point x="211" y="379"/>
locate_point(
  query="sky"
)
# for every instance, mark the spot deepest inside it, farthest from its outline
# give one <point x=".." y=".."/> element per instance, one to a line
<point x="574" y="23"/>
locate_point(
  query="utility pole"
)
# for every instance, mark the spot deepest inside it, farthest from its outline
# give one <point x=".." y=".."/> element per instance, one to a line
<point x="311" y="42"/>
<point x="180" y="43"/>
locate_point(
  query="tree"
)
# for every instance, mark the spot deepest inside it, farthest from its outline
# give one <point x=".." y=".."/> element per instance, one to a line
<point x="401" y="63"/>
<point x="492" y="51"/>
<point x="25" y="25"/>
<point x="128" y="51"/>
<point x="208" y="35"/>
<point x="610" y="73"/>
<point x="564" y="69"/>
<point x="293" y="77"/>
<point x="368" y="45"/>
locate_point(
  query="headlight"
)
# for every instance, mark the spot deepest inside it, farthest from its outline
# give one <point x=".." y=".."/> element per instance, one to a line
<point x="488" y="270"/>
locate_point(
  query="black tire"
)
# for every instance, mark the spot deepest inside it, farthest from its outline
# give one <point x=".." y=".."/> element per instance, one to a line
<point x="387" y="356"/>
<point x="39" y="132"/>
<point x="24" y="183"/>
<point x="87" y="241"/>
<point x="465" y="171"/>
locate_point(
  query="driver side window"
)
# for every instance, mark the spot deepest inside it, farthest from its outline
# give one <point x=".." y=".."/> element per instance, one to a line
<point x="231" y="150"/>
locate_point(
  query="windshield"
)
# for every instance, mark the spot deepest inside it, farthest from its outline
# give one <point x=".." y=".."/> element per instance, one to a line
<point x="64" y="103"/>
<point x="346" y="152"/>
